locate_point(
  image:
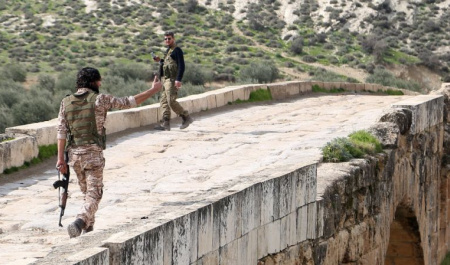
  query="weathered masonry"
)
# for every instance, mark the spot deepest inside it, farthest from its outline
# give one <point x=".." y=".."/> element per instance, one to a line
<point x="356" y="215"/>
<point x="289" y="220"/>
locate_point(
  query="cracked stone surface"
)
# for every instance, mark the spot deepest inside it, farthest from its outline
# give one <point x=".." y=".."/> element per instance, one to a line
<point x="152" y="177"/>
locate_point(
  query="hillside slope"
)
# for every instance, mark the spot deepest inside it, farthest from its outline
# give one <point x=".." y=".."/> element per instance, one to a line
<point x="349" y="39"/>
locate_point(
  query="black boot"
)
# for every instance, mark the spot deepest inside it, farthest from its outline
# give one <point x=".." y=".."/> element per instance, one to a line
<point x="164" y="126"/>
<point x="186" y="121"/>
<point x="75" y="228"/>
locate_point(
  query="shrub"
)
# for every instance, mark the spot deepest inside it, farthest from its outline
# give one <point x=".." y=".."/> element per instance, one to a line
<point x="309" y="58"/>
<point x="357" y="145"/>
<point x="10" y="93"/>
<point x="190" y="89"/>
<point x="15" y="72"/>
<point x="46" y="82"/>
<point x="386" y="78"/>
<point x="366" y="142"/>
<point x="197" y="75"/>
<point x="321" y="74"/>
<point x="6" y="118"/>
<point x="297" y="46"/>
<point x="337" y="150"/>
<point x="33" y="110"/>
<point x="133" y="71"/>
<point x="261" y="71"/>
<point x="66" y="81"/>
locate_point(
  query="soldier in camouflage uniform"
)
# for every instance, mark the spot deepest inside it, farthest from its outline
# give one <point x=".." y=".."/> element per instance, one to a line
<point x="81" y="132"/>
<point x="172" y="71"/>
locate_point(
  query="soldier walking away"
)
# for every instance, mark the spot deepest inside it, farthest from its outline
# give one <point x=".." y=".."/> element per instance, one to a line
<point x="81" y="132"/>
<point x="171" y="72"/>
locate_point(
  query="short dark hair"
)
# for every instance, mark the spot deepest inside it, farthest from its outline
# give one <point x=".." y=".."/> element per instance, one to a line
<point x="87" y="77"/>
<point x="169" y="33"/>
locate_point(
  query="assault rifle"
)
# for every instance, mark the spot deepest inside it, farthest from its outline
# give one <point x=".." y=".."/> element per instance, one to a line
<point x="63" y="185"/>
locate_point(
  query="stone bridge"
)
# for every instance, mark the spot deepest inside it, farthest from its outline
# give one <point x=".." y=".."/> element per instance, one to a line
<point x="245" y="184"/>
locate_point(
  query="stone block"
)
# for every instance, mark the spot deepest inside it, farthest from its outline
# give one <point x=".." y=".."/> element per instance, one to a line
<point x="239" y="93"/>
<point x="424" y="110"/>
<point x="91" y="256"/>
<point x="288" y="187"/>
<point x="312" y="221"/>
<point x="359" y="87"/>
<point x="292" y="89"/>
<point x="228" y="97"/>
<point x="302" y="223"/>
<point x="351" y="87"/>
<point x="43" y="132"/>
<point x="126" y="248"/>
<point x="273" y="231"/>
<point x="305" y="87"/>
<point x="149" y="114"/>
<point x="377" y="88"/>
<point x="251" y="208"/>
<point x="154" y="246"/>
<point x="199" y="103"/>
<point x="247" y="248"/>
<point x="211" y="102"/>
<point x="185" y="239"/>
<point x="306" y="185"/>
<point x="270" y="210"/>
<point x="211" y="258"/>
<point x="14" y="153"/>
<point x="187" y="104"/>
<point x="121" y="120"/>
<point x="228" y="254"/>
<point x="227" y="214"/>
<point x="277" y="90"/>
<point x="269" y="240"/>
<point x="320" y="218"/>
<point x="320" y="84"/>
<point x="288" y="235"/>
<point x="328" y="85"/>
<point x="220" y="99"/>
<point x="205" y="230"/>
<point x="167" y="229"/>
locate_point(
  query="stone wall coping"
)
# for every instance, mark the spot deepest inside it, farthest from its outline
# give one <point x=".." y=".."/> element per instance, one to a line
<point x="44" y="133"/>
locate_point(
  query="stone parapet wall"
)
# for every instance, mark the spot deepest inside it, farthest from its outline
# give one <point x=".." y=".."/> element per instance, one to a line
<point x="44" y="133"/>
<point x="361" y="197"/>
<point x="290" y="219"/>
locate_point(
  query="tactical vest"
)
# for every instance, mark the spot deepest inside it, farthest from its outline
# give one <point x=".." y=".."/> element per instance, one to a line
<point x="80" y="116"/>
<point x="170" y="67"/>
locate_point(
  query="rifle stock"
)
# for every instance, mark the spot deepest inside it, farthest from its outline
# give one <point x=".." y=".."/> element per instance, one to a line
<point x="63" y="185"/>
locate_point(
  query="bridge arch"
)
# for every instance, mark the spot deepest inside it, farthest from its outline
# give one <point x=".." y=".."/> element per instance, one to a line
<point x="404" y="238"/>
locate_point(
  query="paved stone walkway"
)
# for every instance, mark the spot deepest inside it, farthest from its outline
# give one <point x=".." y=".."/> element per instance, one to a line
<point x="152" y="177"/>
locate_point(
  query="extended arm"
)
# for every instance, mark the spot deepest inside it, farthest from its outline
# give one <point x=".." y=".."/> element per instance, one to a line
<point x="141" y="97"/>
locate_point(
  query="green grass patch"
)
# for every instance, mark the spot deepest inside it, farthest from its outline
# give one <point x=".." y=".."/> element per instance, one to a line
<point x="398" y="57"/>
<point x="319" y="89"/>
<point x="357" y="145"/>
<point x="446" y="260"/>
<point x="257" y="95"/>
<point x="392" y="92"/>
<point x="6" y="139"/>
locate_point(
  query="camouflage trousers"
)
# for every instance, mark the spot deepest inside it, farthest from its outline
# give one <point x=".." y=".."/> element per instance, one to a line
<point x="168" y="100"/>
<point x="89" y="170"/>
